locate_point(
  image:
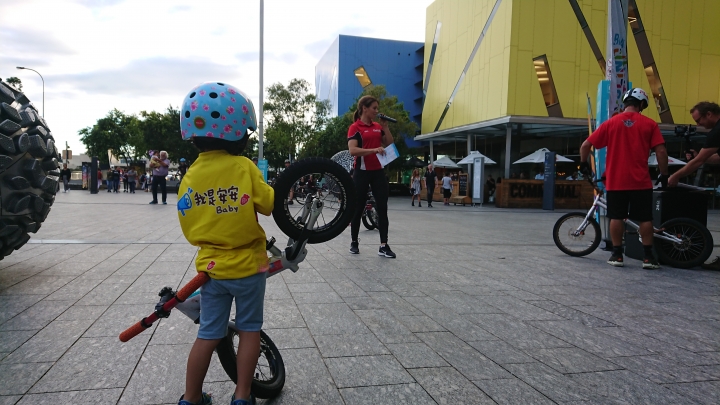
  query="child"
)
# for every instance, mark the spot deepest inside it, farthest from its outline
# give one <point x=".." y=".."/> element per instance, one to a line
<point x="447" y="187"/>
<point x="225" y="191"/>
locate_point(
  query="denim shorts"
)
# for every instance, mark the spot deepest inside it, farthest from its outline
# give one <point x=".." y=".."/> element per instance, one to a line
<point x="216" y="301"/>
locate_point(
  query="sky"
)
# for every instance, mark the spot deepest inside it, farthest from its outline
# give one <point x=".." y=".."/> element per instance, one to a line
<point x="135" y="55"/>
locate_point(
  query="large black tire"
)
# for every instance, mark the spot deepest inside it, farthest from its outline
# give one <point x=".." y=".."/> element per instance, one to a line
<point x="270" y="372"/>
<point x="697" y="243"/>
<point x="29" y="170"/>
<point x="367" y="220"/>
<point x="337" y="194"/>
<point x="576" y="245"/>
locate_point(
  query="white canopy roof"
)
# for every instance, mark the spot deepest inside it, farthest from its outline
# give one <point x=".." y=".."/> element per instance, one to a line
<point x="652" y="161"/>
<point x="468" y="160"/>
<point x="445" y="162"/>
<point x="539" y="157"/>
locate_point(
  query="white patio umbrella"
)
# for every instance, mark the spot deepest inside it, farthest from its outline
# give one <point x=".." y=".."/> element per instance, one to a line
<point x="652" y="161"/>
<point x="539" y="157"/>
<point x="445" y="162"/>
<point x="469" y="159"/>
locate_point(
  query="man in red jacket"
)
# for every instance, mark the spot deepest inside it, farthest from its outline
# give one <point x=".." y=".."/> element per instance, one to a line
<point x="629" y="136"/>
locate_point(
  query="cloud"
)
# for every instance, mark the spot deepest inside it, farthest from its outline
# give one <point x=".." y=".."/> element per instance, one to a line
<point x="99" y="3"/>
<point x="149" y="77"/>
<point x="31" y="42"/>
<point x="254" y="56"/>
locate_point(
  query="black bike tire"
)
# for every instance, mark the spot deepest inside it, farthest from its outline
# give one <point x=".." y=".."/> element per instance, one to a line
<point x="29" y="169"/>
<point x="284" y="219"/>
<point x="559" y="244"/>
<point x="260" y="388"/>
<point x="701" y="231"/>
<point x="368" y="221"/>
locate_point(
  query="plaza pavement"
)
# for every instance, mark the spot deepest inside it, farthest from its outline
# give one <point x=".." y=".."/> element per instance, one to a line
<point x="479" y="308"/>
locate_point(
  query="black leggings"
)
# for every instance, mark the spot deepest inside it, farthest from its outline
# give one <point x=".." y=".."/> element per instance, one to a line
<point x="378" y="181"/>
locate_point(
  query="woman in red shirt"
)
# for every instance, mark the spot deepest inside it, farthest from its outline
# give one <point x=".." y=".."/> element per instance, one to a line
<point x="366" y="139"/>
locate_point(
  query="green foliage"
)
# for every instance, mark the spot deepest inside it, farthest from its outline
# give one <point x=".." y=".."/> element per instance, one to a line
<point x="332" y="138"/>
<point x="15" y="82"/>
<point x="292" y="114"/>
<point x="161" y="131"/>
<point x="117" y="132"/>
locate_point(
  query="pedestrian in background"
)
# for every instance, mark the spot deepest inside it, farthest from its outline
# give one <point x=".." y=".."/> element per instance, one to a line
<point x="430" y="178"/>
<point x="447" y="187"/>
<point x="132" y="178"/>
<point x="415" y="187"/>
<point x="99" y="178"/>
<point x="65" y="176"/>
<point x="160" y="171"/>
<point x="125" y="180"/>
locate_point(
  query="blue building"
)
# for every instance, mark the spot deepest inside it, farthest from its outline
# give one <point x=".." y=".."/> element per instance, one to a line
<point x="352" y="63"/>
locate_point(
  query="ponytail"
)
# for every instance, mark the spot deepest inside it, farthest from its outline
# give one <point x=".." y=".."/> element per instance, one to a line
<point x="365" y="101"/>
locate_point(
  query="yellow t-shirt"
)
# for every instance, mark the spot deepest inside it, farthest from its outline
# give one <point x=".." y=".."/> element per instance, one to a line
<point x="221" y="195"/>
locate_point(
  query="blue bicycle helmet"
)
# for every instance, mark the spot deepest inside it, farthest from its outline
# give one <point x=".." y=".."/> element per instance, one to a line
<point x="217" y="110"/>
<point x="182" y="159"/>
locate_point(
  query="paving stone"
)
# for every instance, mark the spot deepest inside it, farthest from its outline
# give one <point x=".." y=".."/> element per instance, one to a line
<point x="310" y="383"/>
<point x="416" y="355"/>
<point x="9" y="399"/>
<point x="346" y="288"/>
<point x="467" y="360"/>
<point x="175" y="330"/>
<point x="331" y="319"/>
<point x="518" y="308"/>
<point x="571" y="360"/>
<point x="713" y="370"/>
<point x="49" y="343"/>
<point x="36" y="316"/>
<point x="310" y="288"/>
<point x="11" y="305"/>
<point x="275" y="289"/>
<point x="291" y="338"/>
<point x="281" y="314"/>
<point x="104" y="294"/>
<point x="704" y="392"/>
<point x="512" y="391"/>
<point x="11" y="340"/>
<point x="626" y="386"/>
<point x="38" y="285"/>
<point x="364" y="344"/>
<point x="447" y="386"/>
<point x="501" y="352"/>
<point x="18" y="378"/>
<point x="103" y="396"/>
<point x="422" y="303"/>
<point x="117" y="318"/>
<point x="419" y="323"/>
<point x="317" y="298"/>
<point x="393" y="303"/>
<point x="549" y="382"/>
<point x="458" y="325"/>
<point x="587" y="339"/>
<point x="362" y="371"/>
<point x="385" y="327"/>
<point x="661" y="370"/>
<point x="410" y="394"/>
<point x="573" y="314"/>
<point x="361" y="303"/>
<point x="516" y="332"/>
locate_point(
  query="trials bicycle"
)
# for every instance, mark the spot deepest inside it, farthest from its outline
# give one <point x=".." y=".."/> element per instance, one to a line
<point x="680" y="242"/>
<point x="320" y="217"/>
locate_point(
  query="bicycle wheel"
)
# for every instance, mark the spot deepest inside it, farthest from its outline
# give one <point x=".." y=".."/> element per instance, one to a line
<point x="583" y="244"/>
<point x="29" y="171"/>
<point x="696" y="246"/>
<point x="368" y="220"/>
<point x="334" y="187"/>
<point x="270" y="371"/>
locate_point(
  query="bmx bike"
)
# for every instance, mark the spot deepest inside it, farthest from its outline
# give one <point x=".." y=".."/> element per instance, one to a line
<point x="320" y="217"/>
<point x="680" y="242"/>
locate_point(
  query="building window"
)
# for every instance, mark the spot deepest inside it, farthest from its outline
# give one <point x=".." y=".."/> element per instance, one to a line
<point x="547" y="85"/>
<point x="362" y="77"/>
<point x="656" y="88"/>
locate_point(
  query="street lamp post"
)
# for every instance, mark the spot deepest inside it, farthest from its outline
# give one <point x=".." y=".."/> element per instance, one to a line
<point x="43" y="82"/>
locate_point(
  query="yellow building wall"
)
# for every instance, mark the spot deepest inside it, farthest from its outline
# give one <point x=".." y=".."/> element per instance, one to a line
<point x="484" y="92"/>
<point x="683" y="36"/>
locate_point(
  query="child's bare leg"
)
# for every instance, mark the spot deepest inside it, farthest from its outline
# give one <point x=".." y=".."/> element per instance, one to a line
<point x="247" y="357"/>
<point x="197" y="366"/>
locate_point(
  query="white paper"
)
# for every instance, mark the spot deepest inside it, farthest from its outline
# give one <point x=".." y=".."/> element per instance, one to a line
<point x="391" y="153"/>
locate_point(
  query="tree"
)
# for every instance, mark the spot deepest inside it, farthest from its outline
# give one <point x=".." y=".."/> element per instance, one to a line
<point x="292" y="114"/>
<point x="329" y="140"/>
<point x="15" y="82"/>
<point x="161" y="131"/>
<point x="117" y="132"/>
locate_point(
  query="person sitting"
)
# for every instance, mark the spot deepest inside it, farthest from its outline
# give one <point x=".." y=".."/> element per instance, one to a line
<point x="540" y="176"/>
<point x="573" y="176"/>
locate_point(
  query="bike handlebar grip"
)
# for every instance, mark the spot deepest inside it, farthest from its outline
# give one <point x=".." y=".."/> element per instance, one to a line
<point x="132" y="331"/>
<point x="192" y="286"/>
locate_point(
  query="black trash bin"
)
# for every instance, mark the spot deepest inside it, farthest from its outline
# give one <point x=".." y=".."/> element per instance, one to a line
<point x="673" y="203"/>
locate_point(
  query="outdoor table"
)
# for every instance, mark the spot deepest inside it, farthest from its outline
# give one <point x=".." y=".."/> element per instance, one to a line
<point x="515" y="193"/>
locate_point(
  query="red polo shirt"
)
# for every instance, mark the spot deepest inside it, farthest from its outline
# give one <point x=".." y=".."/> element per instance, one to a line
<point x="368" y="137"/>
<point x="628" y="137"/>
